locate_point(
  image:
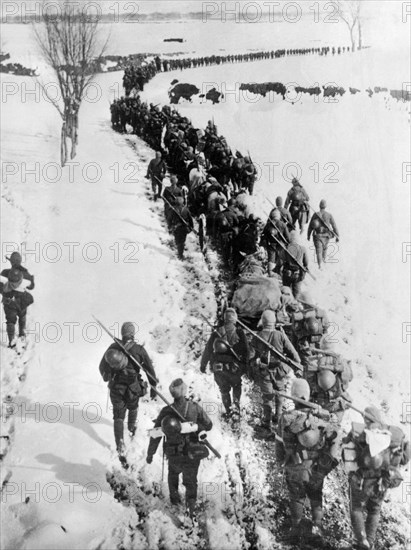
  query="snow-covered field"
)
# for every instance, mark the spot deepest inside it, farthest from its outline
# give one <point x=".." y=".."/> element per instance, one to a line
<point x="120" y="266"/>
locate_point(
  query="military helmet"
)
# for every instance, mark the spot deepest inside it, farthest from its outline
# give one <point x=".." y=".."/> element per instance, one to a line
<point x="15" y="276"/>
<point x="326" y="343"/>
<point x="323" y="203"/>
<point x="15" y="258"/>
<point x="309" y="438"/>
<point x="326" y="379"/>
<point x="300" y="389"/>
<point x="313" y="326"/>
<point x="219" y="346"/>
<point x="315" y="223"/>
<point x="116" y="359"/>
<point x="171" y="426"/>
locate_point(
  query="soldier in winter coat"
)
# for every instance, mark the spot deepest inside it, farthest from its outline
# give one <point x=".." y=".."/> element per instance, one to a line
<point x="372" y="455"/>
<point x="181" y="223"/>
<point x="156" y="171"/>
<point x="297" y="202"/>
<point x="183" y="451"/>
<point x="125" y="382"/>
<point x="291" y="262"/>
<point x="305" y="446"/>
<point x="13" y="287"/>
<point x="269" y="371"/>
<point x="322" y="226"/>
<point x="274" y="231"/>
<point x="228" y="354"/>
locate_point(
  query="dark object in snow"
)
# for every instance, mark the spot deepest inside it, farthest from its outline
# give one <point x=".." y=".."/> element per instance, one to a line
<point x="332" y="91"/>
<point x="354" y="91"/>
<point x="173" y="40"/>
<point x="399" y="95"/>
<point x="213" y="95"/>
<point x="185" y="91"/>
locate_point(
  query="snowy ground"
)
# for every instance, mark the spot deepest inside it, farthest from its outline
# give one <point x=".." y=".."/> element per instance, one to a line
<point x="61" y="451"/>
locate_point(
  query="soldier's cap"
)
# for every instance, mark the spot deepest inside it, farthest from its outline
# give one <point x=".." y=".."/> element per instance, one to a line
<point x="128" y="329"/>
<point x="323" y="203"/>
<point x="15" y="276"/>
<point x="230" y="315"/>
<point x="178" y="388"/>
<point x="376" y="414"/>
<point x="279" y="201"/>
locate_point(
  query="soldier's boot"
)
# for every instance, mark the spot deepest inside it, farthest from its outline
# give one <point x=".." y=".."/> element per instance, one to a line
<point x="22" y="326"/>
<point x="360" y="541"/>
<point x="191" y="508"/>
<point x="267" y="413"/>
<point x="119" y="438"/>
<point x="317" y="518"/>
<point x="11" y="331"/>
<point x="294" y="534"/>
<point x="236" y="399"/>
<point x="371" y="524"/>
<point x="226" y="399"/>
<point x="131" y="423"/>
<point x="278" y="408"/>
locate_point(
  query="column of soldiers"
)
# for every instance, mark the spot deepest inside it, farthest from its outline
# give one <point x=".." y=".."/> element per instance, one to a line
<point x="138" y="73"/>
<point x="291" y="344"/>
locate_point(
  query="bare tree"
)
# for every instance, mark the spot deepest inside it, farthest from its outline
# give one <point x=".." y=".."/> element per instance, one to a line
<point x="69" y="42"/>
<point x="350" y="12"/>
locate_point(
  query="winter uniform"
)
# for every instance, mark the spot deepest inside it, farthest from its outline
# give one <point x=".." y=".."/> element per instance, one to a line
<point x="156" y="171"/>
<point x="16" y="299"/>
<point x="292" y="274"/>
<point x="321" y="235"/>
<point x="270" y="371"/>
<point x="275" y="229"/>
<point x="304" y="444"/>
<point x="225" y="366"/>
<point x="178" y="227"/>
<point x="183" y="451"/>
<point x="372" y="455"/>
<point x="297" y="202"/>
<point x="125" y="382"/>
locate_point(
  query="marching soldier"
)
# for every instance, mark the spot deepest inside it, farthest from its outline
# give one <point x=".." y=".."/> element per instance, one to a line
<point x="292" y="263"/>
<point x="181" y="224"/>
<point x="372" y="456"/>
<point x="125" y="383"/>
<point x="274" y="229"/>
<point x="156" y="171"/>
<point x="184" y="451"/>
<point x="322" y="226"/>
<point x="297" y="202"/>
<point x="228" y="352"/>
<point x="270" y="372"/>
<point x="305" y="445"/>
<point x="13" y="287"/>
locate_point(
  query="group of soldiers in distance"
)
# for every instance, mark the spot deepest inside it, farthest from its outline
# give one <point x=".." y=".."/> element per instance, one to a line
<point x="137" y="74"/>
<point x="210" y="183"/>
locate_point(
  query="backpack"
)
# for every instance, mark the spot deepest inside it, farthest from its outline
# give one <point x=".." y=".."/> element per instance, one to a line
<point x="384" y="463"/>
<point x="130" y="375"/>
<point x="308" y="324"/>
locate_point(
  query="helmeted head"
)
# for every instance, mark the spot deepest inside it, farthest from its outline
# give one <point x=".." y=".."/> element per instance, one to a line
<point x="295" y="181"/>
<point x="230" y="316"/>
<point x="15" y="277"/>
<point x="279" y="202"/>
<point x="326" y="379"/>
<point x="376" y="415"/>
<point x="300" y="389"/>
<point x="323" y="204"/>
<point x="286" y="291"/>
<point x="158" y="154"/>
<point x="128" y="329"/>
<point x="309" y="438"/>
<point x="178" y="388"/>
<point x="173" y="180"/>
<point x="116" y="359"/>
<point x="15" y="259"/>
<point x="171" y="426"/>
<point x="247" y="160"/>
<point x="268" y="319"/>
<point x="305" y="297"/>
